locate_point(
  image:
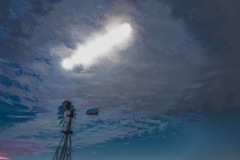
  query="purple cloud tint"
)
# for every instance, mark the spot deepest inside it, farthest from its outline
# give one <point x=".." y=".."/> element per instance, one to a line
<point x="22" y="146"/>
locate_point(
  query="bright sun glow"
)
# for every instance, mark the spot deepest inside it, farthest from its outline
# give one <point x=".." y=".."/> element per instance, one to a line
<point x="87" y="54"/>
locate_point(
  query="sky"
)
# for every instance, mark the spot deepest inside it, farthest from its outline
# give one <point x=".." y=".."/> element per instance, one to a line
<point x="171" y="92"/>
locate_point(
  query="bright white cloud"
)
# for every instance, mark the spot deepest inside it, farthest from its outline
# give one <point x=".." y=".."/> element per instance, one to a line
<point x="99" y="46"/>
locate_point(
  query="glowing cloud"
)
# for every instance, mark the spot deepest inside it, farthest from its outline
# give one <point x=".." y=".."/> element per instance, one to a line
<point x="4" y="158"/>
<point x="86" y="55"/>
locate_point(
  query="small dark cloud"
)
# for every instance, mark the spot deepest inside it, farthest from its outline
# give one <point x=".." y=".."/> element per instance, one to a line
<point x="16" y="113"/>
<point x="5" y="81"/>
<point x="11" y="97"/>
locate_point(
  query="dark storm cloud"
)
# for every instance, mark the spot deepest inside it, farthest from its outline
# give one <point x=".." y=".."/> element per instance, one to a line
<point x="17" y="16"/>
<point x="18" y="19"/>
<point x="214" y="25"/>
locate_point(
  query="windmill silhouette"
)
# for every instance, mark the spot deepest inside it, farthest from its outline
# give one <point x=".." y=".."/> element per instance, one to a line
<point x="64" y="150"/>
<point x="66" y="115"/>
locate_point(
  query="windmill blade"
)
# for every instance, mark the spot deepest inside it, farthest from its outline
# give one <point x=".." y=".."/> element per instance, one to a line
<point x="61" y="122"/>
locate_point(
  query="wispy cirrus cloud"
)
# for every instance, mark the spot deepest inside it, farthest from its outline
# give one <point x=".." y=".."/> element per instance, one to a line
<point x="44" y="129"/>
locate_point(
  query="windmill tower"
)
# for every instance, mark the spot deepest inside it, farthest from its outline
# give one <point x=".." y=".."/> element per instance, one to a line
<point x="64" y="149"/>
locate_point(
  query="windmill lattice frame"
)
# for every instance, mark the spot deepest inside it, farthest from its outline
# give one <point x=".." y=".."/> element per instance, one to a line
<point x="64" y="150"/>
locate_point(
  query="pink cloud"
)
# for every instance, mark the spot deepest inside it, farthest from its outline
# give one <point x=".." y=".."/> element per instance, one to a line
<point x="3" y="156"/>
<point x="22" y="146"/>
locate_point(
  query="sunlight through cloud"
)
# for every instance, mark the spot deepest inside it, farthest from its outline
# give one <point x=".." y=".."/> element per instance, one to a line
<point x="86" y="55"/>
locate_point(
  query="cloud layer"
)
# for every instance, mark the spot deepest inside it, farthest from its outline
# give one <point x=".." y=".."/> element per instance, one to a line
<point x="184" y="57"/>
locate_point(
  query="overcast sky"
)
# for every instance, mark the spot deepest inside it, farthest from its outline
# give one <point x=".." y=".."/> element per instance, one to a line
<point x="165" y="95"/>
